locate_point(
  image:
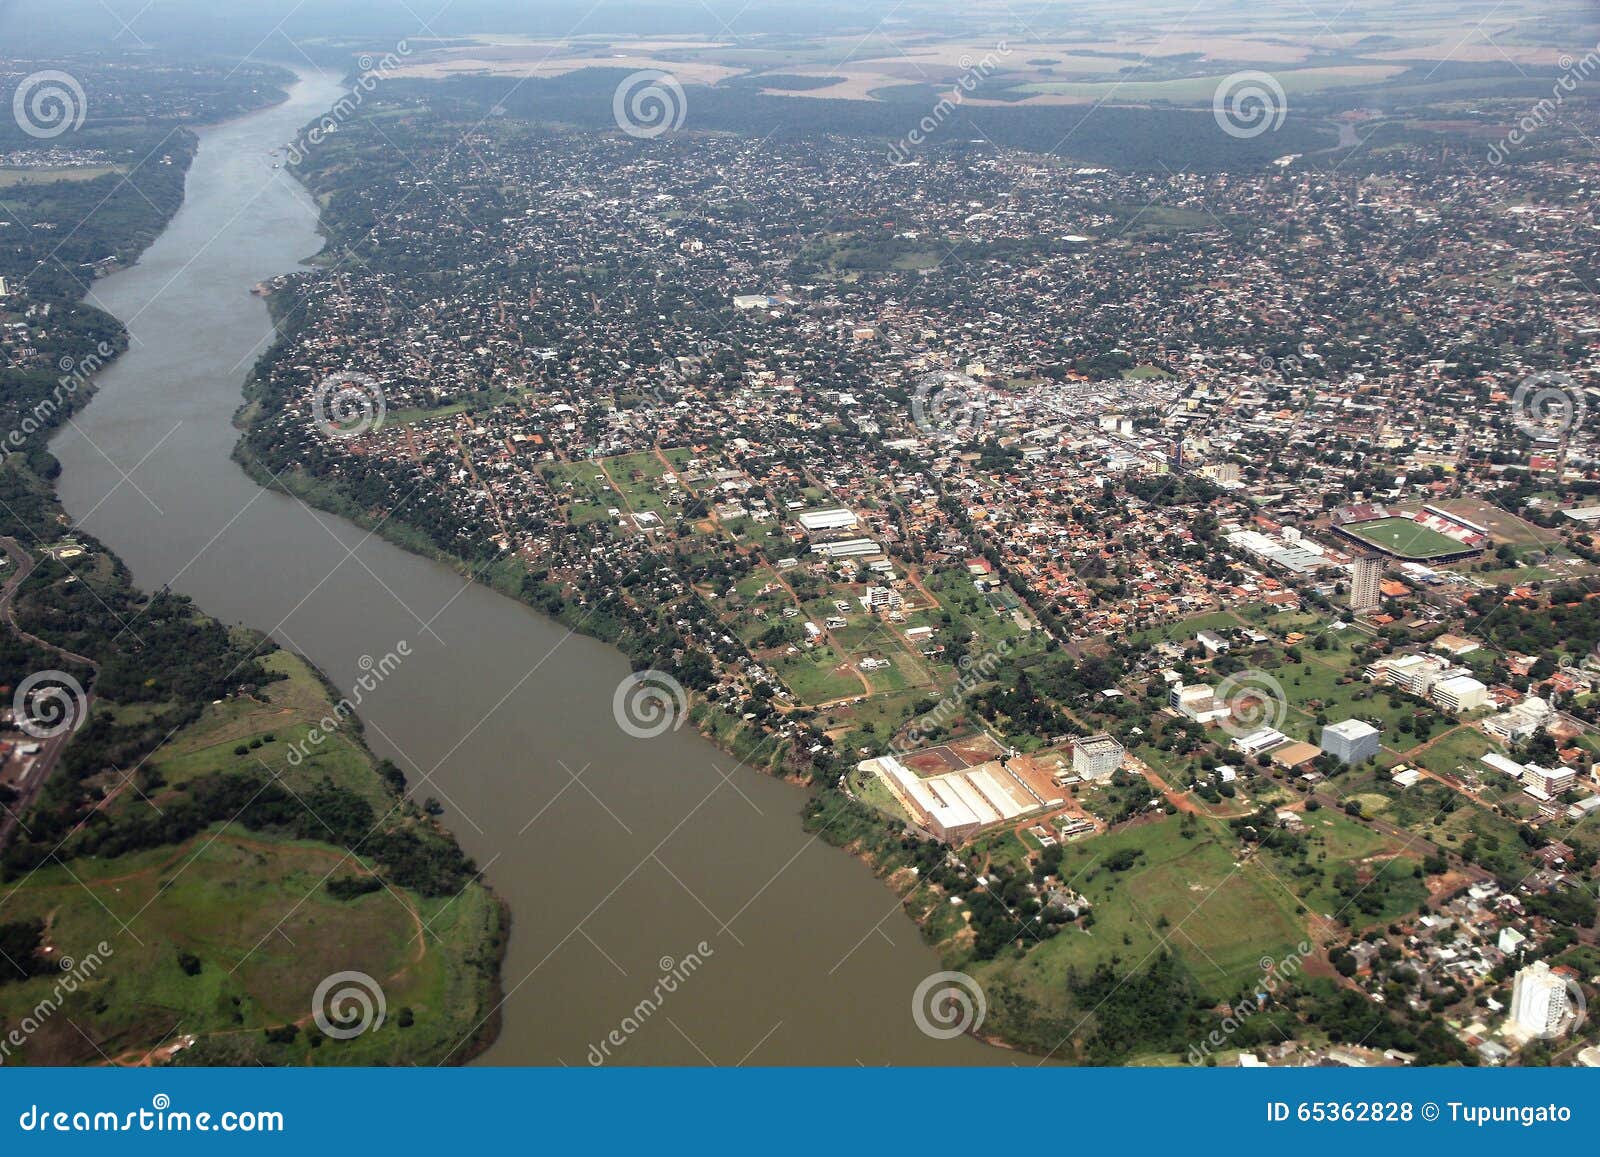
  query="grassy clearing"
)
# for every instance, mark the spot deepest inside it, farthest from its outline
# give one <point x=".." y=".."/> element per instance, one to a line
<point x="11" y="178"/>
<point x="582" y="489"/>
<point x="269" y="727"/>
<point x="251" y="915"/>
<point x="1463" y="747"/>
<point x="1188" y="894"/>
<point x="1200" y="89"/>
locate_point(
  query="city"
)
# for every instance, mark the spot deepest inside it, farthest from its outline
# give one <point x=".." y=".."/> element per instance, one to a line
<point x="479" y="507"/>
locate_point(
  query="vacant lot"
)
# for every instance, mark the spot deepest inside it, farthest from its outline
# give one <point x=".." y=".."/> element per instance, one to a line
<point x="1189" y="895"/>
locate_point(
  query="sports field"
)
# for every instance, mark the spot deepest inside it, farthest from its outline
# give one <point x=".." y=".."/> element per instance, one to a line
<point x="1402" y="537"/>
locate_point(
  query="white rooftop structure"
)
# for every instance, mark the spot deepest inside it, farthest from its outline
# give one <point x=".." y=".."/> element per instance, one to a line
<point x="837" y="518"/>
<point x="1261" y="740"/>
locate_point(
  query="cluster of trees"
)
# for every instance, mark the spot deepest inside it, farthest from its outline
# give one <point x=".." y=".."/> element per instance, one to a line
<point x="1154" y="1009"/>
<point x="1350" y="1017"/>
<point x="156" y="651"/>
<point x="412" y="854"/>
<point x="20" y="942"/>
<point x="1570" y="625"/>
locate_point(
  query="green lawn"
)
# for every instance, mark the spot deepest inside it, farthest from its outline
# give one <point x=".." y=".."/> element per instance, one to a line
<point x="269" y="729"/>
<point x="1464" y="746"/>
<point x="811" y="678"/>
<point x="582" y="488"/>
<point x="15" y="177"/>
<point x="1337" y="841"/>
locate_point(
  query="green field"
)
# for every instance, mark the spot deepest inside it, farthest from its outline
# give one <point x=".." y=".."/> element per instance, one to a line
<point x="1188" y="895"/>
<point x="228" y="933"/>
<point x="1405" y="538"/>
<point x="13" y="177"/>
<point x="582" y="488"/>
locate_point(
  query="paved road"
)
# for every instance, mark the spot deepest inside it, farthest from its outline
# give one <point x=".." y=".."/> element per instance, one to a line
<point x="22" y="564"/>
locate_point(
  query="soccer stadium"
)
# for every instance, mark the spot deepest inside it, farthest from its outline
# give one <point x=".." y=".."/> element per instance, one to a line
<point x="1429" y="535"/>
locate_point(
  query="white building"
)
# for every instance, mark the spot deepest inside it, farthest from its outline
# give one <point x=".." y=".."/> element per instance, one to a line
<point x="1520" y="721"/>
<point x="1538" y="1002"/>
<point x="1098" y="757"/>
<point x="1418" y="674"/>
<point x="1550" y="780"/>
<point x="846" y="548"/>
<point x="1460" y="694"/>
<point x="1197" y="700"/>
<point x="820" y="520"/>
<point x="1263" y="739"/>
<point x="1504" y="765"/>
<point x="1350" y="741"/>
<point x="1366" y="575"/>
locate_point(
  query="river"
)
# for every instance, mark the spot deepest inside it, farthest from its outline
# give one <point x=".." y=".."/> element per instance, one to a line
<point x="617" y="855"/>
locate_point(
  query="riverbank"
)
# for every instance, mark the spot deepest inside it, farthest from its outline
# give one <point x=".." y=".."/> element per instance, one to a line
<point x="112" y="811"/>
